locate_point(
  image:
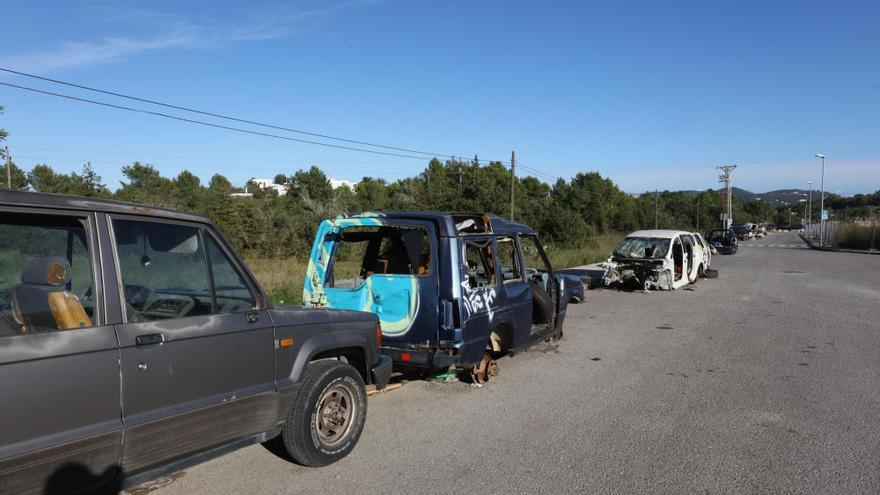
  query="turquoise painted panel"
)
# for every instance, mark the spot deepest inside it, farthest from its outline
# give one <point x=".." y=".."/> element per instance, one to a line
<point x="393" y="298"/>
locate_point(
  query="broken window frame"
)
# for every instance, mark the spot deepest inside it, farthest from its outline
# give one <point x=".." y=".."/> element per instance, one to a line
<point x="517" y="260"/>
<point x="330" y="279"/>
<point x="541" y="253"/>
<point x="484" y="247"/>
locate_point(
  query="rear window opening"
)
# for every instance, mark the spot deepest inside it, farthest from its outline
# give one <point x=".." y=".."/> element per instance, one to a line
<point x="360" y="252"/>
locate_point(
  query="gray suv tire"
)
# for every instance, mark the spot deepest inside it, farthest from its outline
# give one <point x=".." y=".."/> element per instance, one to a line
<point x="328" y="415"/>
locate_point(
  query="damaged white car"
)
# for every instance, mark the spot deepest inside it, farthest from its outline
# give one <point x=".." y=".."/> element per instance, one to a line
<point x="655" y="259"/>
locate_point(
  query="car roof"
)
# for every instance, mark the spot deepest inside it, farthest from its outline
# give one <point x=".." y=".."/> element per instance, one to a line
<point x="82" y="203"/>
<point x="445" y="221"/>
<point x="658" y="233"/>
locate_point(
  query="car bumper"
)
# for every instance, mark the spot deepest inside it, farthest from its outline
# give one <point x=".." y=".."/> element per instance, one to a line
<point x="382" y="372"/>
<point x="419" y="358"/>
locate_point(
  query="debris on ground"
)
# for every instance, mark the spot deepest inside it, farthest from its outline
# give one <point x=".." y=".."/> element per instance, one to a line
<point x="372" y="390"/>
<point x="446" y="376"/>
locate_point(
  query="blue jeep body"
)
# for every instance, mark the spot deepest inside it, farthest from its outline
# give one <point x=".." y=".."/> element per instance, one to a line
<point x="447" y="287"/>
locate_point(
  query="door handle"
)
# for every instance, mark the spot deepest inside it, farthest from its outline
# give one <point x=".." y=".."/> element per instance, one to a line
<point x="150" y="339"/>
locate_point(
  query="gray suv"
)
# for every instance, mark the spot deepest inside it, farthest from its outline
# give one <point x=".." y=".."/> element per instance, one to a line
<point x="134" y="342"/>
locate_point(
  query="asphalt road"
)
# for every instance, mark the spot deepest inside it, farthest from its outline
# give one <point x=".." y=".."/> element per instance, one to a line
<point x="765" y="380"/>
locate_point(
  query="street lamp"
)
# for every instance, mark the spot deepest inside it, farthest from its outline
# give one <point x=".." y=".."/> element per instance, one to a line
<point x="810" y="204"/>
<point x="822" y="203"/>
<point x="803" y="218"/>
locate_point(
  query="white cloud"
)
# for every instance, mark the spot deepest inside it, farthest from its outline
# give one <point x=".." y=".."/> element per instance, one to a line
<point x="90" y="53"/>
<point x="178" y="32"/>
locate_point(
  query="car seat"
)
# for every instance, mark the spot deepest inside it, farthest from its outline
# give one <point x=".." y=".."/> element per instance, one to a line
<point x="42" y="302"/>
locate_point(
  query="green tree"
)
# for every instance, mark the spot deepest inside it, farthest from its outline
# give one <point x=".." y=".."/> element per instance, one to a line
<point x="219" y="185"/>
<point x="17" y="179"/>
<point x="188" y="191"/>
<point x="145" y="185"/>
<point x="3" y="136"/>
<point x="313" y="184"/>
<point x="91" y="183"/>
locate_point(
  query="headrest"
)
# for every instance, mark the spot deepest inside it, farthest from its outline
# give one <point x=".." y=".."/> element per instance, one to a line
<point x="46" y="270"/>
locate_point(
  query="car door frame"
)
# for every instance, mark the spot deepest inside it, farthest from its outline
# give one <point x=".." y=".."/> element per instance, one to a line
<point x="227" y="415"/>
<point x="514" y="296"/>
<point x="553" y="282"/>
<point x="72" y="457"/>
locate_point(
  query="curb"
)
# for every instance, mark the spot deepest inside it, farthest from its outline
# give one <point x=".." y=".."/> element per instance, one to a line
<point x="810" y="242"/>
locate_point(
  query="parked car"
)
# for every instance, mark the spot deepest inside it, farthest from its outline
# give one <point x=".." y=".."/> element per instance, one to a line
<point x="742" y="232"/>
<point x="706" y="250"/>
<point x="452" y="290"/>
<point x="655" y="259"/>
<point x="724" y="241"/>
<point x="134" y="342"/>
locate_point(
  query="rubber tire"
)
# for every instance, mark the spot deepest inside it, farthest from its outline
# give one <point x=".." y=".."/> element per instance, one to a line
<point x="710" y="273"/>
<point x="300" y="440"/>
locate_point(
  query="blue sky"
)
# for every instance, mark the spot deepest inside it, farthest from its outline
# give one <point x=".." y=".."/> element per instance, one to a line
<point x="650" y="94"/>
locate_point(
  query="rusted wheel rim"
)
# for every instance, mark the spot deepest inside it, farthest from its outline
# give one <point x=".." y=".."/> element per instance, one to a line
<point x="333" y="419"/>
<point x="485" y="370"/>
<point x="492" y="369"/>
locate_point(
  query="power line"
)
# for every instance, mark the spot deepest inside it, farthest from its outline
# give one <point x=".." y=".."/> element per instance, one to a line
<point x="235" y="119"/>
<point x="207" y="124"/>
<point x="538" y="172"/>
<point x="148" y="155"/>
<point x="534" y="171"/>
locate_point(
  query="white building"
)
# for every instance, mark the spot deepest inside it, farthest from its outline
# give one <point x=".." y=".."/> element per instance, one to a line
<point x="269" y="185"/>
<point x="336" y="183"/>
<point x="281" y="189"/>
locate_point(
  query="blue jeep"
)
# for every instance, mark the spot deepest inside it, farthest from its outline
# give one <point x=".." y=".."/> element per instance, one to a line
<point x="452" y="290"/>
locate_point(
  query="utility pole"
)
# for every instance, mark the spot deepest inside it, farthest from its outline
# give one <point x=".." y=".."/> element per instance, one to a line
<point x="726" y="171"/>
<point x="8" y="169"/>
<point x="512" y="180"/>
<point x="698" y="213"/>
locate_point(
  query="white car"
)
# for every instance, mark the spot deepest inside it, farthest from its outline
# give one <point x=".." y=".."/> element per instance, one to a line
<point x="656" y="259"/>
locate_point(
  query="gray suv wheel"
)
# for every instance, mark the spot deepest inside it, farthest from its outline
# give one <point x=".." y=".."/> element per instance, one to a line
<point x="328" y="416"/>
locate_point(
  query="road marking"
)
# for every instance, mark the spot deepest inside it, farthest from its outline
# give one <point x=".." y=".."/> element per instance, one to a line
<point x="777" y="246"/>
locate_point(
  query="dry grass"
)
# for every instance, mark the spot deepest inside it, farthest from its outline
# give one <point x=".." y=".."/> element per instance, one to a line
<point x="597" y="249"/>
<point x="855" y="236"/>
<point x="283" y="278"/>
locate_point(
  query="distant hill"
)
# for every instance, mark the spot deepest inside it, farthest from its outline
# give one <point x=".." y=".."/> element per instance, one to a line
<point x="774" y="197"/>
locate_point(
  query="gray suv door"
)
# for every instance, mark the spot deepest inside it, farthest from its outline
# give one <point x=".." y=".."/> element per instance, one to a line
<point x="60" y="428"/>
<point x="197" y="347"/>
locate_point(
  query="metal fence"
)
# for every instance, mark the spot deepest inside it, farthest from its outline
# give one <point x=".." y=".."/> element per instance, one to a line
<point x="864" y="234"/>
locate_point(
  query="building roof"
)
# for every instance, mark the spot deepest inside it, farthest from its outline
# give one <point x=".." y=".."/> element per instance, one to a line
<point x="63" y="201"/>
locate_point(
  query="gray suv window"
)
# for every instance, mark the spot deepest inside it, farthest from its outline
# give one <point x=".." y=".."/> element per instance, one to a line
<point x="231" y="290"/>
<point x="164" y="270"/>
<point x="45" y="274"/>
